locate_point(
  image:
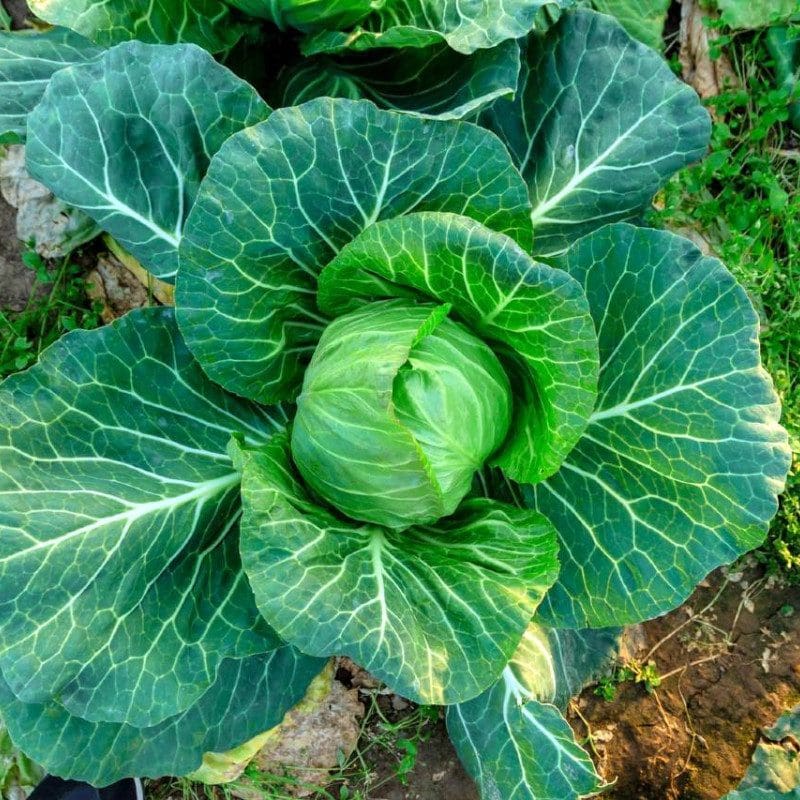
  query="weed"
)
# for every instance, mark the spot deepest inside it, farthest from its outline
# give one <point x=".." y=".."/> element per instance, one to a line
<point x="634" y="671"/>
<point x="57" y="304"/>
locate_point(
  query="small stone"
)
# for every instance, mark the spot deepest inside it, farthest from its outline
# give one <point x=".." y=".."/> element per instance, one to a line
<point x="398" y="703"/>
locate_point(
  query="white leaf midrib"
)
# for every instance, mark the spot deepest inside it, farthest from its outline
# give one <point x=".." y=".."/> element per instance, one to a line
<point x="200" y="492"/>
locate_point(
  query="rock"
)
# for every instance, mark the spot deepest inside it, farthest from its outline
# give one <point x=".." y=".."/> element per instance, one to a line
<point x="54" y="228"/>
<point x="399" y="703"/>
<point x="632" y="643"/>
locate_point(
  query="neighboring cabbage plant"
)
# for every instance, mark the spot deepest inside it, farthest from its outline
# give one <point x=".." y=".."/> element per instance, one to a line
<point x="429" y="399"/>
<point x="440" y="58"/>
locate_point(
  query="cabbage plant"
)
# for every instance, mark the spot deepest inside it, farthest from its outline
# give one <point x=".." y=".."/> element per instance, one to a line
<point x="430" y="398"/>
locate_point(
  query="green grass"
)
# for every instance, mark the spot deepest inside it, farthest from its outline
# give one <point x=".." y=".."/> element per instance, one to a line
<point x="744" y="200"/>
<point x="58" y="303"/>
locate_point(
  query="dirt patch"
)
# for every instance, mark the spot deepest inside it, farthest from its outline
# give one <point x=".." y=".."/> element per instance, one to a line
<point x="437" y="775"/>
<point x="727" y="673"/>
<point x="16" y="280"/>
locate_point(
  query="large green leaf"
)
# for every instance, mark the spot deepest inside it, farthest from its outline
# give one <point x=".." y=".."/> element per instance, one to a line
<point x="553" y="665"/>
<point x="207" y="23"/>
<point x="756" y="13"/>
<point x="643" y="19"/>
<point x="514" y="743"/>
<point x="28" y="60"/>
<point x="433" y="81"/>
<point x="128" y="137"/>
<point x="249" y="696"/>
<point x="400" y="407"/>
<point x="518" y="749"/>
<point x="680" y="467"/>
<point x="537" y="312"/>
<point x="598" y="125"/>
<point x="436" y="612"/>
<point x="279" y="201"/>
<point x="121" y="589"/>
<point x="465" y="25"/>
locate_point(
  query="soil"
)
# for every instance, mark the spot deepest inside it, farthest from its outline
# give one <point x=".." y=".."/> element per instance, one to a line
<point x="437" y="775"/>
<point x="437" y="772"/>
<point x="692" y="739"/>
<point x="16" y="280"/>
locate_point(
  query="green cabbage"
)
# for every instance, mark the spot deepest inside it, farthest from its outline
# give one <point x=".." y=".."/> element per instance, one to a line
<point x="379" y="431"/>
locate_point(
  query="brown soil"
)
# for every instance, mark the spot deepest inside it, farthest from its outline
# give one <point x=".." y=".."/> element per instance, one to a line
<point x="437" y="774"/>
<point x="693" y="738"/>
<point x="16" y="279"/>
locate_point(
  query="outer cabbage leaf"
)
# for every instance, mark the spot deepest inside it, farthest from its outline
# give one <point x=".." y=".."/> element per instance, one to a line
<point x="19" y="774"/>
<point x="643" y="19"/>
<point x="207" y="23"/>
<point x="514" y="743"/>
<point x="756" y="13"/>
<point x="775" y="767"/>
<point x="433" y="81"/>
<point x="249" y="696"/>
<point x="400" y="407"/>
<point x="598" y="125"/>
<point x="128" y="137"/>
<point x="119" y="506"/>
<point x="520" y="750"/>
<point x="436" y="612"/>
<point x="265" y="223"/>
<point x="536" y="312"/>
<point x="465" y="25"/>
<point x="680" y="467"/>
<point x="553" y="665"/>
<point x="27" y="62"/>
